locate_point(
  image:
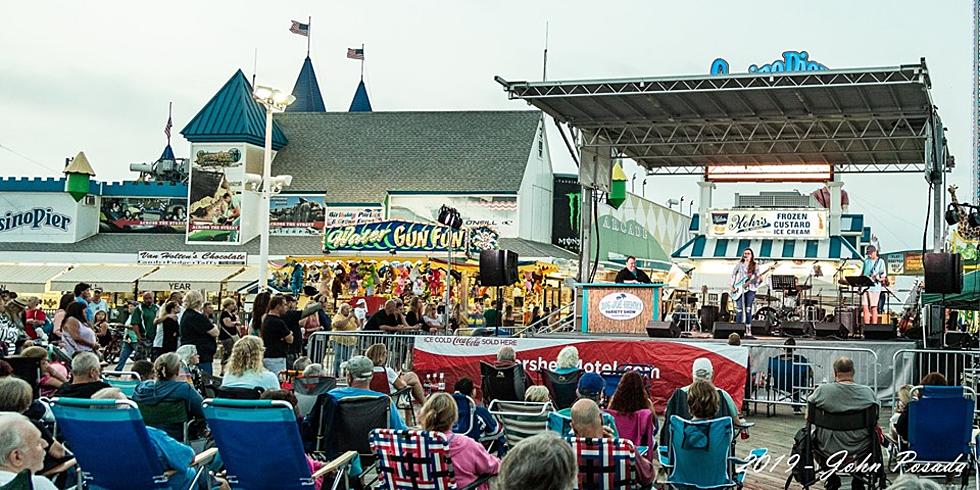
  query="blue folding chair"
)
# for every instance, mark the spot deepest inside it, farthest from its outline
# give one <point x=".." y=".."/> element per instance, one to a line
<point x="701" y="454"/>
<point x="563" y="387"/>
<point x="90" y="427"/>
<point x="126" y="381"/>
<point x="242" y="427"/>
<point x="941" y="427"/>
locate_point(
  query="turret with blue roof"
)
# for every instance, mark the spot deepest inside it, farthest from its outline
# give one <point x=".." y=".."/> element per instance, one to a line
<point x="233" y="115"/>
<point x="361" y="102"/>
<point x="307" y="91"/>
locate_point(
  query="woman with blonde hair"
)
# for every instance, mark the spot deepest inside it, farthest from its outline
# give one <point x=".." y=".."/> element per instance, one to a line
<point x="343" y="345"/>
<point x="567" y="360"/>
<point x="378" y="354"/>
<point x="537" y="394"/>
<point x="470" y="459"/>
<point x="245" y="368"/>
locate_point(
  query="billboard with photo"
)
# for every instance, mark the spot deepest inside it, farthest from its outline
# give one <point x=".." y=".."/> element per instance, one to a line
<point x="296" y="215"/>
<point x="215" y="194"/>
<point x="143" y="215"/>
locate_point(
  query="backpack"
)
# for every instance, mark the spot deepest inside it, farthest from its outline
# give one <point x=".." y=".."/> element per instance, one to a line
<point x="804" y="470"/>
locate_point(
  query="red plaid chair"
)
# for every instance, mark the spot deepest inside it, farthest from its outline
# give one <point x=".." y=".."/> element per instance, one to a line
<point x="605" y="463"/>
<point x="414" y="459"/>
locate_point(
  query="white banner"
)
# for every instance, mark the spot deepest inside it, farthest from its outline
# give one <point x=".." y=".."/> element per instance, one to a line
<point x="191" y="258"/>
<point x="786" y="224"/>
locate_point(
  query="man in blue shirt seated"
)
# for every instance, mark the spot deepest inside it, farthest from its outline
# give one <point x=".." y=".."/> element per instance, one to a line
<point x="590" y="387"/>
<point x="475" y="421"/>
<point x="360" y="369"/>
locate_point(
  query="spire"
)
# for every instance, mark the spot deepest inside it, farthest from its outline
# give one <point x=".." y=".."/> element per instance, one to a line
<point x="168" y="153"/>
<point x="233" y="115"/>
<point x="307" y="91"/>
<point x="361" y="102"/>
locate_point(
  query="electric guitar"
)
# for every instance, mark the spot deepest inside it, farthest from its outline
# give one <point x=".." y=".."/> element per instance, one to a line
<point x="742" y="285"/>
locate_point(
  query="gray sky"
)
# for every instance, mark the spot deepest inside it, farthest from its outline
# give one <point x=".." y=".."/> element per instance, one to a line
<point x="97" y="76"/>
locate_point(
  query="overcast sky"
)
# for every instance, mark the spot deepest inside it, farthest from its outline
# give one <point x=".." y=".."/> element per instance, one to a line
<point x="97" y="76"/>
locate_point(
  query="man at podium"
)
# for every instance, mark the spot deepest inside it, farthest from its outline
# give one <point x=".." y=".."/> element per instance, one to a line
<point x="874" y="269"/>
<point x="630" y="274"/>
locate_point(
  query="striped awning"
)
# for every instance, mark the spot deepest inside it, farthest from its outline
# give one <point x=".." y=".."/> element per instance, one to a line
<point x="27" y="279"/>
<point x="108" y="278"/>
<point x="188" y="277"/>
<point x="702" y="247"/>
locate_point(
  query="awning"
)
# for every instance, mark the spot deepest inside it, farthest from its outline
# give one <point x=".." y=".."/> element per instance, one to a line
<point x="27" y="279"/>
<point x="108" y="278"/>
<point x="249" y="276"/>
<point x="188" y="277"/>
<point x="702" y="247"/>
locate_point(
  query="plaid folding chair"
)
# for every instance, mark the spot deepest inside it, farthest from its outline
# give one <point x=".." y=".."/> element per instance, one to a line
<point x="605" y="463"/>
<point x="125" y="381"/>
<point x="414" y="459"/>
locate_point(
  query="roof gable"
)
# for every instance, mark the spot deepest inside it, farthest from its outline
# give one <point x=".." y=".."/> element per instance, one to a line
<point x="361" y="102"/>
<point x="307" y="91"/>
<point x="232" y="115"/>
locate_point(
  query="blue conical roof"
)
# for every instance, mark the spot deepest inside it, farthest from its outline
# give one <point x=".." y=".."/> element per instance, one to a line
<point x="361" y="102"/>
<point x="233" y="115"/>
<point x="168" y="153"/>
<point x="307" y="91"/>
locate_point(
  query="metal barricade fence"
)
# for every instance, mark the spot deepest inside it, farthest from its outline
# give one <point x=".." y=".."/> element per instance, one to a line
<point x="334" y="348"/>
<point x="960" y="368"/>
<point x="787" y="375"/>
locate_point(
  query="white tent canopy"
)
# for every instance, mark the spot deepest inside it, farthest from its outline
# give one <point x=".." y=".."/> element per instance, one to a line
<point x="108" y="278"/>
<point x="27" y="279"/>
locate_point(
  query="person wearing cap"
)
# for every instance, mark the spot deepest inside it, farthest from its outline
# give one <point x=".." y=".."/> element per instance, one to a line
<point x="702" y="370"/>
<point x="874" y="269"/>
<point x="360" y="312"/>
<point x="590" y="387"/>
<point x="97" y="304"/>
<point x="360" y="369"/>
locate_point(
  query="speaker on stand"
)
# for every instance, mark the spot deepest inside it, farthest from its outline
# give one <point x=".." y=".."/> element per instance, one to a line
<point x="498" y="268"/>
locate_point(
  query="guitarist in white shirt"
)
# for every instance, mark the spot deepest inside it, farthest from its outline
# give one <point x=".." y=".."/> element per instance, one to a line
<point x="745" y="282"/>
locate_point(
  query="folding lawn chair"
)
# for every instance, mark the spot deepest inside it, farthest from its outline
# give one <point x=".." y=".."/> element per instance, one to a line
<point x="307" y="389"/>
<point x="521" y="419"/>
<point x="605" y="463"/>
<point x="854" y="420"/>
<point x="507" y="384"/>
<point x="941" y="429"/>
<point x="563" y="387"/>
<point x="125" y="381"/>
<point x="169" y="416"/>
<point x="700" y="454"/>
<point x="414" y="459"/>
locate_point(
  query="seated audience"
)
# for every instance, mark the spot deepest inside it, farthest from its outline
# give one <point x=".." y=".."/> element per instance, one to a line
<point x="22" y="448"/>
<point x="245" y="368"/>
<point x="587" y="422"/>
<point x="301" y="362"/>
<point x="86" y="373"/>
<point x="53" y="374"/>
<point x="632" y="409"/>
<point x="143" y="368"/>
<point x="568" y="360"/>
<point x="166" y="387"/>
<point x="16" y="396"/>
<point x="314" y="370"/>
<point x="475" y="421"/>
<point x="470" y="459"/>
<point x="702" y="370"/>
<point x="843" y="395"/>
<point x="189" y="360"/>
<point x="590" y="387"/>
<point x="702" y="400"/>
<point x="904" y="395"/>
<point x="537" y="394"/>
<point x="507" y="357"/>
<point x="902" y="422"/>
<point x="540" y="462"/>
<point x="378" y="354"/>
<point x="360" y="369"/>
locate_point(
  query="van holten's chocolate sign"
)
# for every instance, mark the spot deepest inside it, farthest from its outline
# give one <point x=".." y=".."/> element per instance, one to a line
<point x="191" y="258"/>
<point x="399" y="236"/>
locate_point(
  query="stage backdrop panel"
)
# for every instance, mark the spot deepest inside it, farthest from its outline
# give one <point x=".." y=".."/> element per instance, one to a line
<point x="672" y="360"/>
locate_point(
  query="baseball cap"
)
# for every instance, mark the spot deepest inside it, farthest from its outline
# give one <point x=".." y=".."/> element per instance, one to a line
<point x="590" y="384"/>
<point x="360" y="368"/>
<point x="702" y="369"/>
<point x="362" y="301"/>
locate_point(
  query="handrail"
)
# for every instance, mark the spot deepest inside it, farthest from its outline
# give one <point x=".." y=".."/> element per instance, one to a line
<point x="541" y="324"/>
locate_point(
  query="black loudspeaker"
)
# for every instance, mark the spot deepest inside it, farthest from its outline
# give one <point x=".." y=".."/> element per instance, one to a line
<point x="708" y="315"/>
<point x="944" y="273"/>
<point x="829" y="329"/>
<point x="960" y="340"/>
<point x="498" y="268"/>
<point x="663" y="329"/>
<point x="848" y="318"/>
<point x="879" y="331"/>
<point x="722" y="330"/>
<point x="795" y="329"/>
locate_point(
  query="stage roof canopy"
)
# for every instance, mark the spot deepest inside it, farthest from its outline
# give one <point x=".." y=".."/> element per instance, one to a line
<point x="860" y="120"/>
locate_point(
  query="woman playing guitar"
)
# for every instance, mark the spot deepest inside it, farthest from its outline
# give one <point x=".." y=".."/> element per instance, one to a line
<point x="745" y="282"/>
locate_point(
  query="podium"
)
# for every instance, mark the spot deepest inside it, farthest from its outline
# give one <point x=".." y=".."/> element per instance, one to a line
<point x="613" y="308"/>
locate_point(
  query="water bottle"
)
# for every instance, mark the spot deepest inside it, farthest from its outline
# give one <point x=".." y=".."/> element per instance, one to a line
<point x="428" y="380"/>
<point x="442" y="381"/>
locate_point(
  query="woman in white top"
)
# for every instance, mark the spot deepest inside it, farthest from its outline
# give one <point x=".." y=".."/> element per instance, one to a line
<point x="431" y="320"/>
<point x="245" y="369"/>
<point x="745" y="280"/>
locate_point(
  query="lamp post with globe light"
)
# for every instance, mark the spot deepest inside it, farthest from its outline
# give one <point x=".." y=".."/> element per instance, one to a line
<point x="274" y="101"/>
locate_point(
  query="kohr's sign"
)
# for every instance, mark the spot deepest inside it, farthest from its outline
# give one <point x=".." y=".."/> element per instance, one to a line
<point x="398" y="236"/>
<point x="792" y="61"/>
<point x="34" y="219"/>
<point x="768" y="223"/>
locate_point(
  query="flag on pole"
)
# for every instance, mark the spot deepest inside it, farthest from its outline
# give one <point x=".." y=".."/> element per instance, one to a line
<point x="300" y="28"/>
<point x="355" y="53"/>
<point x="170" y="124"/>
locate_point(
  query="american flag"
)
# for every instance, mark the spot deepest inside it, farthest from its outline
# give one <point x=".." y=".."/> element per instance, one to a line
<point x="170" y="124"/>
<point x="300" y="28"/>
<point x="355" y="53"/>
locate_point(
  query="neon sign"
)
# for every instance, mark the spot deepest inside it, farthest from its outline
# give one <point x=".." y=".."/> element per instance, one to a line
<point x="792" y="61"/>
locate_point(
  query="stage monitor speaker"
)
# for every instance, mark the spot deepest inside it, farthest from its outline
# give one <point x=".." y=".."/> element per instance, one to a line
<point x="498" y="268"/>
<point x="960" y="340"/>
<point x="829" y="329"/>
<point x="795" y="329"/>
<point x="663" y="329"/>
<point x="708" y="314"/>
<point x="944" y="273"/>
<point x="879" y="331"/>
<point x="721" y="330"/>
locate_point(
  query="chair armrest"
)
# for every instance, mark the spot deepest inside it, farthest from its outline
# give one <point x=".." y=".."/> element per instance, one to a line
<point x="61" y="468"/>
<point x="336" y="464"/>
<point x="204" y="457"/>
<point x="476" y="483"/>
<point x="404" y="391"/>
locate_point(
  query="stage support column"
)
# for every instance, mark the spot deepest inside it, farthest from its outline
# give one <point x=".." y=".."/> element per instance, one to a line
<point x="704" y="204"/>
<point x="836" y="206"/>
<point x="585" y="251"/>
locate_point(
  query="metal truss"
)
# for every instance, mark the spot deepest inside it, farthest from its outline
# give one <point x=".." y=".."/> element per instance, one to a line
<point x="878" y="168"/>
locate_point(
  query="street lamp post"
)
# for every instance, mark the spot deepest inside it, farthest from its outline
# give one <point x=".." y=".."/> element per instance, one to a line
<point x="273" y="101"/>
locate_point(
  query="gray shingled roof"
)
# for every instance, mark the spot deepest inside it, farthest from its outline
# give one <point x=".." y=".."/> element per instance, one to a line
<point x="358" y="157"/>
<point x="118" y="243"/>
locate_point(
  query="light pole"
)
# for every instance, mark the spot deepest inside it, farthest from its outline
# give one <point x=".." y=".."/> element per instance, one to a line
<point x="274" y="101"/>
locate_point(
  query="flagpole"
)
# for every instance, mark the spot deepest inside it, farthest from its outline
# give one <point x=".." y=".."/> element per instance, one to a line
<point x="544" y="69"/>
<point x="309" y="32"/>
<point x="170" y="117"/>
<point x="362" y="62"/>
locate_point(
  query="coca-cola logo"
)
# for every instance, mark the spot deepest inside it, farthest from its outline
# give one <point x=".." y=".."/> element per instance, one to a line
<point x="471" y="341"/>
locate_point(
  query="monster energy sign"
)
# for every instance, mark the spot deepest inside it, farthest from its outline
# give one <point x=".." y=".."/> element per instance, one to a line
<point x="566" y="213"/>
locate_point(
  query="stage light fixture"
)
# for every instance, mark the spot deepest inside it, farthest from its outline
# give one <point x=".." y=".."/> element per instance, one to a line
<point x="952" y="215"/>
<point x="807" y="172"/>
<point x="450" y="217"/>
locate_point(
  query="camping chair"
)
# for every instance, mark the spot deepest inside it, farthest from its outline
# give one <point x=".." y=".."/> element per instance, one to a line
<point x="507" y="384"/>
<point x="238" y="393"/>
<point x="92" y="426"/>
<point x="854" y="420"/>
<point x="563" y="387"/>
<point x="308" y="389"/>
<point x="241" y="426"/>
<point x="346" y="425"/>
<point x="412" y="459"/>
<point x="125" y="381"/>
<point x="605" y="463"/>
<point x="521" y="419"/>
<point x="169" y="416"/>
<point x="941" y="427"/>
<point x="402" y="397"/>
<point x="612" y="378"/>
<point x="787" y="378"/>
<point x="700" y="454"/>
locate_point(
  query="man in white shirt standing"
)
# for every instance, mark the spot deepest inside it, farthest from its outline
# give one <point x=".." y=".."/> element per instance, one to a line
<point x="21" y="448"/>
<point x="360" y="313"/>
